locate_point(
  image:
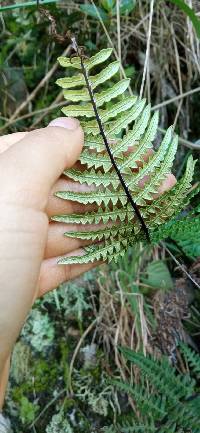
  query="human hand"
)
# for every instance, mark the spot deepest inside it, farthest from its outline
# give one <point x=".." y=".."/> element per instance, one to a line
<point x="30" y="167"/>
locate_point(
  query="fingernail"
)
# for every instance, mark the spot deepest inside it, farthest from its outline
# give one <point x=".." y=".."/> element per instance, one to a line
<point x="65" y="122"/>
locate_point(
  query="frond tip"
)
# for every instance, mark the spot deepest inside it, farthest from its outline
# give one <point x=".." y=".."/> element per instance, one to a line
<point x="130" y="130"/>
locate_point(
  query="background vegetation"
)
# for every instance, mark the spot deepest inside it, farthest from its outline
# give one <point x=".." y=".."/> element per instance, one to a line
<point x="68" y="374"/>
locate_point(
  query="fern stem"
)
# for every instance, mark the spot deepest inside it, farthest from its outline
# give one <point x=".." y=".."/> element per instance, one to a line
<point x="101" y="129"/>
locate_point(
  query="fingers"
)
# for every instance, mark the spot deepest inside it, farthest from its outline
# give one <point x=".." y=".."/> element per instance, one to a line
<point x="59" y="244"/>
<point x="29" y="168"/>
<point x="52" y="274"/>
<point x="57" y="206"/>
<point x="167" y="184"/>
<point x="7" y="141"/>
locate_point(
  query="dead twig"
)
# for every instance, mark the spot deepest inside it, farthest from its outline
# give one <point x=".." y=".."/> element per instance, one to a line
<point x="34" y="92"/>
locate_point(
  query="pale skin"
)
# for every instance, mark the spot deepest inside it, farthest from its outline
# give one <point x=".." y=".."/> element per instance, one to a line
<point x="31" y="165"/>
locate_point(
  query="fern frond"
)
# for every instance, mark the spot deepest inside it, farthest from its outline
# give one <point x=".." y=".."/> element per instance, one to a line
<point x="137" y="429"/>
<point x="118" y="125"/>
<point x="95" y="160"/>
<point x="125" y="119"/>
<point x="130" y="428"/>
<point x="95" y="60"/>
<point x="94" y="197"/>
<point x="87" y="110"/>
<point x="96" y="143"/>
<point x="151" y="187"/>
<point x="92" y="176"/>
<point x="154" y="161"/>
<point x="108" y="250"/>
<point x="170" y="203"/>
<point x="96" y="80"/>
<point x="171" y="401"/>
<point x="102" y="215"/>
<point x="192" y="358"/>
<point x="162" y="376"/>
<point x="102" y="97"/>
<point x="137" y="131"/>
<point x="180" y="230"/>
<point x="104" y="233"/>
<point x="146" y="404"/>
<point x="127" y="122"/>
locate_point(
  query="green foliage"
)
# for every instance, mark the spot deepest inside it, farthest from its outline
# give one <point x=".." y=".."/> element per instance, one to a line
<point x="108" y="9"/>
<point x="59" y="424"/>
<point x="185" y="231"/>
<point x="127" y="122"/>
<point x="24" y="5"/>
<point x="20" y="362"/>
<point x="158" y="275"/>
<point x="74" y="301"/>
<point x="41" y="328"/>
<point x="28" y="410"/>
<point x="190" y="13"/>
<point x="192" y="358"/>
<point x="92" y="389"/>
<point x="168" y="404"/>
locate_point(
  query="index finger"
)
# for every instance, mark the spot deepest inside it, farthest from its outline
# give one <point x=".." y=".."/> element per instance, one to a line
<point x="6" y="141"/>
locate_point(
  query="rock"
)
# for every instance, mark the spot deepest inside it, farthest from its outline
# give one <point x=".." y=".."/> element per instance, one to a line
<point x="5" y="426"/>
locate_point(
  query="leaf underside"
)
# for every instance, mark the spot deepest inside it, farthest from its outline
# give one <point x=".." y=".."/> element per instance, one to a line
<point x="131" y="130"/>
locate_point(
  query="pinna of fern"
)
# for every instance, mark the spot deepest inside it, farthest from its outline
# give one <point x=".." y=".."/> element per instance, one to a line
<point x="170" y="402"/>
<point x="128" y="125"/>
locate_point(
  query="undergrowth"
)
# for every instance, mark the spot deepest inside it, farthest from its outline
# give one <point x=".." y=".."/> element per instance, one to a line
<point x="143" y="301"/>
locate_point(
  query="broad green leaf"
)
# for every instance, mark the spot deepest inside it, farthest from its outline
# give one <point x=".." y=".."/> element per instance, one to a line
<point x="158" y="276"/>
<point x="126" y="6"/>
<point x="91" y="11"/>
<point x="108" y="4"/>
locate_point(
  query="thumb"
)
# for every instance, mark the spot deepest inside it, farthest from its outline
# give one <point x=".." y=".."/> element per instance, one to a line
<point x="29" y="168"/>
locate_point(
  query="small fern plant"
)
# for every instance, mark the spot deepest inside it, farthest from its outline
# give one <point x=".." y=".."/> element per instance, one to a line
<point x="165" y="402"/>
<point x="128" y="125"/>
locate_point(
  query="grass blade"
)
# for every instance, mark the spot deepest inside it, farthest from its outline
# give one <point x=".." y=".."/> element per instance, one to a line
<point x="190" y="13"/>
<point x="25" y="5"/>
